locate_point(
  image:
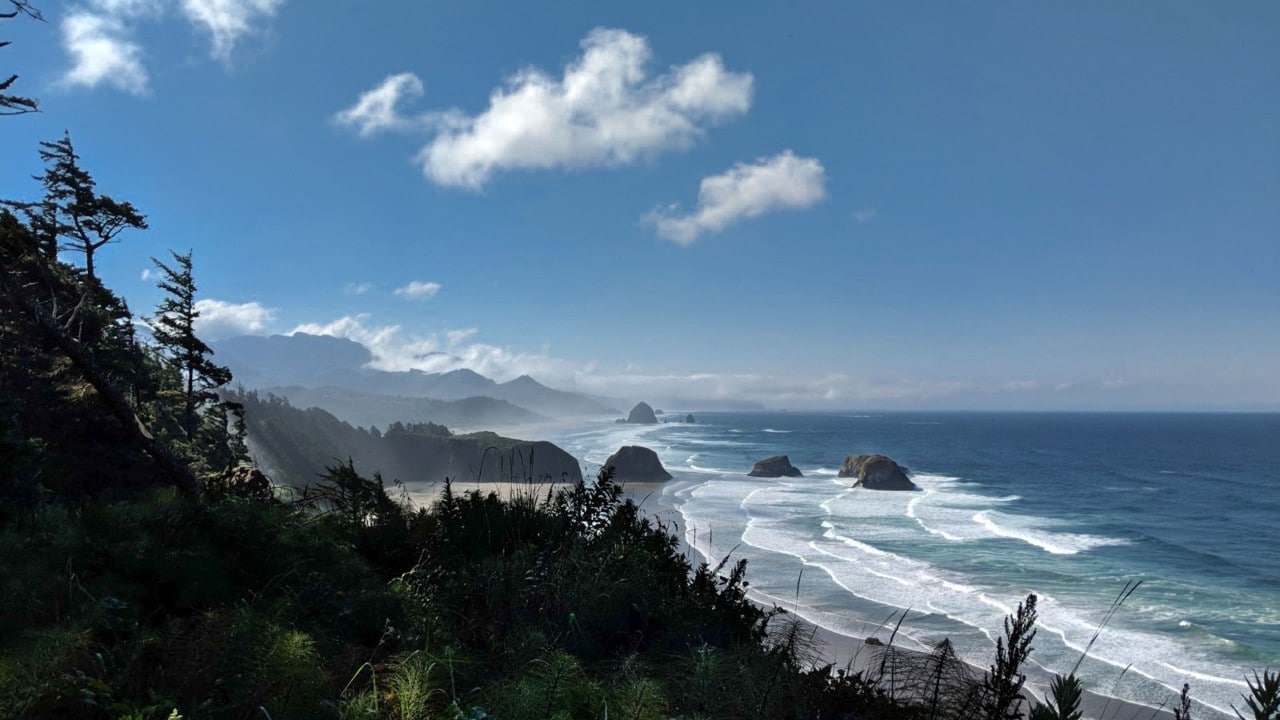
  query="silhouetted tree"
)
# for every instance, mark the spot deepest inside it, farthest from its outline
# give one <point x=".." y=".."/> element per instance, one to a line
<point x="11" y="104"/>
<point x="174" y="330"/>
<point x="72" y="215"/>
<point x="1004" y="680"/>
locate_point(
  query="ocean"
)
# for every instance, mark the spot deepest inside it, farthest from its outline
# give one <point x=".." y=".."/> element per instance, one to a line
<point x="1070" y="506"/>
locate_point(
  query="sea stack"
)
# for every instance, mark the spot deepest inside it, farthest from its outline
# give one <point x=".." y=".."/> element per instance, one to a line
<point x="689" y="418"/>
<point x="642" y="414"/>
<point x="776" y="466"/>
<point x="877" y="472"/>
<point x="635" y="463"/>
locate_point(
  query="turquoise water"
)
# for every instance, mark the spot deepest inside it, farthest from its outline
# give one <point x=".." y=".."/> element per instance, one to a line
<point x="1069" y="506"/>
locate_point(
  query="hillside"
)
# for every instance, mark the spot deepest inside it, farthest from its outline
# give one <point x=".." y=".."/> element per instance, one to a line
<point x="294" y="446"/>
<point x="367" y="409"/>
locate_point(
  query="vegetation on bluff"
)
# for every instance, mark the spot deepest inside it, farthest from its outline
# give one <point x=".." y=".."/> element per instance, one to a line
<point x="138" y="582"/>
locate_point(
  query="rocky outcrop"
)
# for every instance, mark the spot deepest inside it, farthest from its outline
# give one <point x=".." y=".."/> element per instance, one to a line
<point x="634" y="463"/>
<point x="877" y="472"/>
<point x="776" y="466"/>
<point x="642" y="414"/>
<point x="689" y="418"/>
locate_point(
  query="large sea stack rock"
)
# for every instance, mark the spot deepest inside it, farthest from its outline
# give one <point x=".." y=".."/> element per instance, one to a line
<point x="642" y="414"/>
<point x="634" y="463"/>
<point x="776" y="466"/>
<point x="876" y="472"/>
<point x="689" y="418"/>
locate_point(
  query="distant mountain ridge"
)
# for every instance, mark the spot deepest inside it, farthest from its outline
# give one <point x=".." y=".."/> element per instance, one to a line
<point x="287" y="364"/>
<point x="370" y="410"/>
<point x="293" y="446"/>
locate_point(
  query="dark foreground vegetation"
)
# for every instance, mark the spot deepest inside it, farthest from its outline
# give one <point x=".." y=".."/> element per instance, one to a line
<point x="146" y="571"/>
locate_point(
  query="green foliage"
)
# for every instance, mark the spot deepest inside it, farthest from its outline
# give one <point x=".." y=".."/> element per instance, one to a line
<point x="1263" y="699"/>
<point x="204" y="417"/>
<point x="1065" y="693"/>
<point x="1003" y="682"/>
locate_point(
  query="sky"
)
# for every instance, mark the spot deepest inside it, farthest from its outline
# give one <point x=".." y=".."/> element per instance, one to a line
<point x="829" y="205"/>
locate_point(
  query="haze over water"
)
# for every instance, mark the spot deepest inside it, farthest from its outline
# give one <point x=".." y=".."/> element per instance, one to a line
<point x="1069" y="506"/>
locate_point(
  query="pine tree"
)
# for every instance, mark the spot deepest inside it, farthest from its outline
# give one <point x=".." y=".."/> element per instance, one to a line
<point x="72" y="215"/>
<point x="174" y="330"/>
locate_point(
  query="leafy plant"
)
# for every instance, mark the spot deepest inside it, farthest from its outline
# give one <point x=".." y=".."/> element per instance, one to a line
<point x="1263" y="699"/>
<point x="1065" y="693"/>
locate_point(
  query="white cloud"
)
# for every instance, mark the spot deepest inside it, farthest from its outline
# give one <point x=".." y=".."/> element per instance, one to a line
<point x="394" y="349"/>
<point x="149" y="274"/>
<point x="102" y="52"/>
<point x="99" y="35"/>
<point x="418" y="290"/>
<point x="457" y="336"/>
<point x="865" y="215"/>
<point x="746" y="190"/>
<point x="377" y="109"/>
<point x="357" y="288"/>
<point x="227" y="21"/>
<point x="604" y="109"/>
<point x="219" y="319"/>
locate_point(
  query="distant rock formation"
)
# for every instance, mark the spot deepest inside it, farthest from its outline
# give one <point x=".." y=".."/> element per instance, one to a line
<point x="689" y="418"/>
<point x="776" y="466"/>
<point x="876" y="472"/>
<point x="634" y="463"/>
<point x="642" y="414"/>
<point x="658" y="412"/>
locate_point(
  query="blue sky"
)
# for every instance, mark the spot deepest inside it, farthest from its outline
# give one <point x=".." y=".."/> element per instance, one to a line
<point x="1012" y="205"/>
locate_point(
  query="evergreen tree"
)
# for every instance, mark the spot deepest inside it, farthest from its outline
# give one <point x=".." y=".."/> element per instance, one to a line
<point x="174" y="330"/>
<point x="72" y="215"/>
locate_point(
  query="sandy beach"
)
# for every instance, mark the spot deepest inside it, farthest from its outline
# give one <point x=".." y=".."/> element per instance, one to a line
<point x="856" y="654"/>
<point x="827" y="646"/>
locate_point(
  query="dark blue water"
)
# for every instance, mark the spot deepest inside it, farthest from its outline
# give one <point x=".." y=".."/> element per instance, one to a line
<point x="1069" y="506"/>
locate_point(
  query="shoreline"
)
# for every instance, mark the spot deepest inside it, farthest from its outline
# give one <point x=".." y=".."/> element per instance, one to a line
<point x="827" y="646"/>
<point x="856" y="654"/>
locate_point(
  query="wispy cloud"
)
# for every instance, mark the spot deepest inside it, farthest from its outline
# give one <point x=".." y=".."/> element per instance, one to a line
<point x="378" y="110"/>
<point x="456" y="337"/>
<point x="357" y="288"/>
<point x="149" y="274"/>
<point x="102" y="53"/>
<point x="395" y="349"/>
<point x="603" y="109"/>
<point x="865" y="215"/>
<point x="219" y="319"/>
<point x="228" y="21"/>
<point x="747" y="190"/>
<point x="98" y="35"/>
<point x="418" y="290"/>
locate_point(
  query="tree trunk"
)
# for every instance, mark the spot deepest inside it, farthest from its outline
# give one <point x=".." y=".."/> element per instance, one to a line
<point x="169" y="463"/>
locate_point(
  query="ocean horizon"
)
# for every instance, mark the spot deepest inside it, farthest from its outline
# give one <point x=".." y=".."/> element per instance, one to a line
<point x="1072" y="506"/>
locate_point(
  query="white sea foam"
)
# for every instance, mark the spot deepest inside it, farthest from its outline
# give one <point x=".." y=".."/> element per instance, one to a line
<point x="771" y="430"/>
<point x="1024" y="529"/>
<point x="878" y="550"/>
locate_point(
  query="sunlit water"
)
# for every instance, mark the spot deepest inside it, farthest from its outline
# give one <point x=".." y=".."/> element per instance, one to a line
<point x="1069" y="506"/>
